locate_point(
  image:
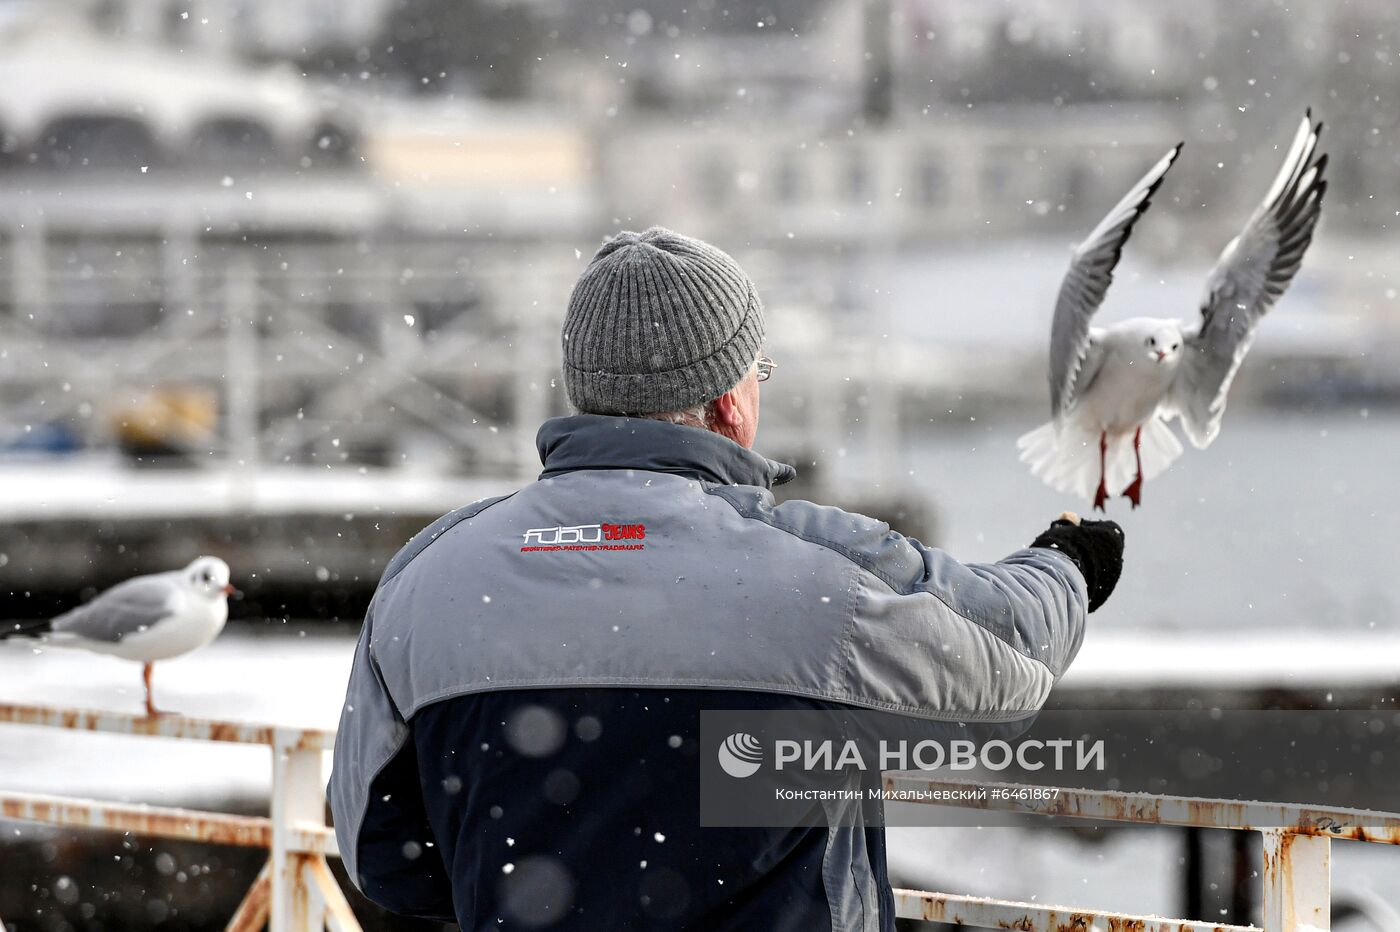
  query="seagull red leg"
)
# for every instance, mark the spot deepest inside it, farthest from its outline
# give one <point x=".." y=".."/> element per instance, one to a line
<point x="1133" y="492"/>
<point x="146" y="671"/>
<point x="1101" y="495"/>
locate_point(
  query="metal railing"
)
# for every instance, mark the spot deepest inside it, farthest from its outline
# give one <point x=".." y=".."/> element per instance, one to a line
<point x="295" y="891"/>
<point x="1297" y="852"/>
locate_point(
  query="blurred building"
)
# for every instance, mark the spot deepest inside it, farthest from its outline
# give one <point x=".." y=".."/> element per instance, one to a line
<point x="244" y="197"/>
<point x="887" y="186"/>
<point x="263" y="29"/>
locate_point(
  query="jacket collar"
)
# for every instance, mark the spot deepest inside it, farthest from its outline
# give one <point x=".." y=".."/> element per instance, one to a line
<point x="594" y="441"/>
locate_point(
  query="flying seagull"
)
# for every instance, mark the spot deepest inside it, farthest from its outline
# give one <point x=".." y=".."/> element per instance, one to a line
<point x="147" y="618"/>
<point x="1113" y="389"/>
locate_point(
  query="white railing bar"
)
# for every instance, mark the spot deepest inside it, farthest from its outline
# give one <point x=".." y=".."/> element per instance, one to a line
<point x="1033" y="917"/>
<point x="164" y="822"/>
<point x="169" y="726"/>
<point x="1149" y="808"/>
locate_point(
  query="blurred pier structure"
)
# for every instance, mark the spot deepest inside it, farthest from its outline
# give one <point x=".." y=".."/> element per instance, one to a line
<point x="246" y="306"/>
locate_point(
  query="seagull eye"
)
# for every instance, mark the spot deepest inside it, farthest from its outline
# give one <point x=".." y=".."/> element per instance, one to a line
<point x="1175" y="345"/>
<point x="205" y="576"/>
<point x="1151" y="341"/>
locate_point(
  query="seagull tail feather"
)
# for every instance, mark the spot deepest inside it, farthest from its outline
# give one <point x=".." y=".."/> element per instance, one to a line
<point x="1064" y="456"/>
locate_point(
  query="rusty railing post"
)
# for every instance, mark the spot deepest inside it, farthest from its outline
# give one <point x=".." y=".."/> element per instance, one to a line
<point x="1297" y="881"/>
<point x="296" y="802"/>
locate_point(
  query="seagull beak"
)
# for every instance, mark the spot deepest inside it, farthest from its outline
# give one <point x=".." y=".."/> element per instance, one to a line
<point x="229" y="590"/>
<point x="1161" y="355"/>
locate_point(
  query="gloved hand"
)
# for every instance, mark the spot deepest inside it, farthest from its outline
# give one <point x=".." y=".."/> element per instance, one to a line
<point x="1096" y="547"/>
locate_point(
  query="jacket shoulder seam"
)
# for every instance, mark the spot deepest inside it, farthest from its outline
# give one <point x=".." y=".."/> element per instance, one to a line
<point x="847" y="646"/>
<point x="823" y="542"/>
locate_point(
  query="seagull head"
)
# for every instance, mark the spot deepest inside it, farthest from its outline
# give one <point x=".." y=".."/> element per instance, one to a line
<point x="209" y="576"/>
<point x="1162" y="342"/>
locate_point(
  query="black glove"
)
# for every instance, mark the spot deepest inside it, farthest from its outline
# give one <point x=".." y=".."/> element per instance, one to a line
<point x="1096" y="547"/>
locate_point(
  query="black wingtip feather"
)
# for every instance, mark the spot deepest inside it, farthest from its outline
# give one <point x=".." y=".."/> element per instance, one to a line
<point x="1298" y="210"/>
<point x="1130" y="221"/>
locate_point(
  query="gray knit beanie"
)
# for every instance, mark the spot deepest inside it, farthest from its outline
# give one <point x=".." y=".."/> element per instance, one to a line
<point x="658" y="322"/>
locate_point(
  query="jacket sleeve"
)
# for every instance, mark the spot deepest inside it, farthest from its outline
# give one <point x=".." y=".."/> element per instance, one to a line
<point x="939" y="638"/>
<point x="1035" y="599"/>
<point x="975" y="641"/>
<point x="376" y="799"/>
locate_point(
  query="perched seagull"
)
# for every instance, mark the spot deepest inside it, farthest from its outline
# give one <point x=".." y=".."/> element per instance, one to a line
<point x="147" y="618"/>
<point x="1122" y="383"/>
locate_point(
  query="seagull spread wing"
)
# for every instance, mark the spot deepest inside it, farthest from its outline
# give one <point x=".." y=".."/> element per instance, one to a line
<point x="1086" y="283"/>
<point x="125" y="609"/>
<point x="1250" y="275"/>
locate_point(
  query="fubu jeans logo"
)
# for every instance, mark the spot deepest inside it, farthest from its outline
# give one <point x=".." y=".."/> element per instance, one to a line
<point x="590" y="537"/>
<point x="624" y="531"/>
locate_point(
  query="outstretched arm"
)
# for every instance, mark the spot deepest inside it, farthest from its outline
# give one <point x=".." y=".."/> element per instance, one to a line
<point x="937" y="638"/>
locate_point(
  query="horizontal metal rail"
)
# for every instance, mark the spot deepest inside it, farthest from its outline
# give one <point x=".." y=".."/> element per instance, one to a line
<point x="1009" y="914"/>
<point x="218" y="828"/>
<point x="1152" y="809"/>
<point x="169" y="726"/>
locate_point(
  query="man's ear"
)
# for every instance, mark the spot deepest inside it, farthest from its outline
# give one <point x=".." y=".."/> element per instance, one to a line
<point x="727" y="413"/>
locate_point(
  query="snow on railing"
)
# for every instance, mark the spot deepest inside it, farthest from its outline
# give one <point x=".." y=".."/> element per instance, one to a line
<point x="1297" y="852"/>
<point x="295" y="891"/>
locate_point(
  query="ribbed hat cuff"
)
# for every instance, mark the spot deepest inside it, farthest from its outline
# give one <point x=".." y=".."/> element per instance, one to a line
<point x="674" y="390"/>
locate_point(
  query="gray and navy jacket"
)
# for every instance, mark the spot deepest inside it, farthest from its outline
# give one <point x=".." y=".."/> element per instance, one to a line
<point x="518" y="744"/>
